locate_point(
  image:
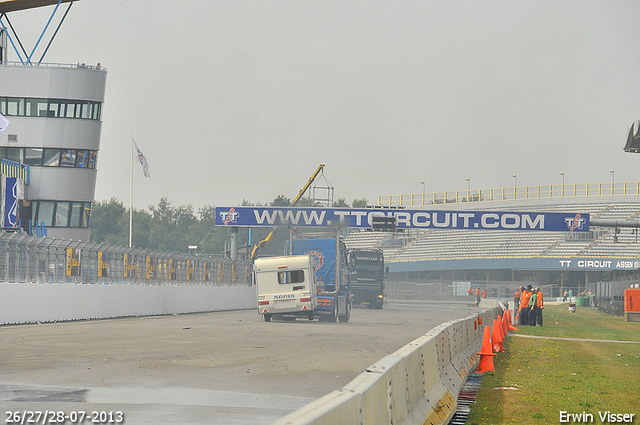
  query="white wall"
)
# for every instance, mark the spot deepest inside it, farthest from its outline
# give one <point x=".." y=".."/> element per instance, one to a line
<point x="33" y="302"/>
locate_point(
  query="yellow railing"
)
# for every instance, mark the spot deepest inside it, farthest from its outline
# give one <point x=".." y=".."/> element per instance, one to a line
<point x="14" y="169"/>
<point x="512" y="193"/>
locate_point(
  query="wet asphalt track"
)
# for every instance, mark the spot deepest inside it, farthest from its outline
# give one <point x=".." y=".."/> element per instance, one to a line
<point x="210" y="368"/>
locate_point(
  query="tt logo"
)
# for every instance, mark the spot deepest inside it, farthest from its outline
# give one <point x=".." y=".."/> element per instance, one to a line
<point x="230" y="216"/>
<point x="576" y="222"/>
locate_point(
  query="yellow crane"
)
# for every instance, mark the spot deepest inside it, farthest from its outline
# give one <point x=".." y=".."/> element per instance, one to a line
<point x="263" y="243"/>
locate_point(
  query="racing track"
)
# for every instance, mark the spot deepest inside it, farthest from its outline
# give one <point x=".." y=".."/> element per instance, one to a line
<point x="220" y="368"/>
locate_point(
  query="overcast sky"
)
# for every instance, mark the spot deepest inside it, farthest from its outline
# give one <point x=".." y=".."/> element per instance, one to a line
<point x="233" y="100"/>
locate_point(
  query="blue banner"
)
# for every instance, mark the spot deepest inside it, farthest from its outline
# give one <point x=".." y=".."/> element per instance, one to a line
<point x="405" y="219"/>
<point x="12" y="196"/>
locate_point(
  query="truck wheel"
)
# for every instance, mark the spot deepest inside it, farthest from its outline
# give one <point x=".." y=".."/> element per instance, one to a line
<point x="267" y="317"/>
<point x="346" y="317"/>
<point x="310" y="316"/>
<point x="334" y="317"/>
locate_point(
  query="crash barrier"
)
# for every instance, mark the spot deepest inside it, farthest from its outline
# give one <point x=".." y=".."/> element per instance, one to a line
<point x="48" y="279"/>
<point x="31" y="303"/>
<point x="418" y="384"/>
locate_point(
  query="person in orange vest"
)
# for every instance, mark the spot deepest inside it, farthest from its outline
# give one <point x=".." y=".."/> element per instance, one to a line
<point x="477" y="296"/>
<point x="539" y="308"/>
<point x="484" y="293"/>
<point x="516" y="299"/>
<point x="524" y="305"/>
<point x="470" y="291"/>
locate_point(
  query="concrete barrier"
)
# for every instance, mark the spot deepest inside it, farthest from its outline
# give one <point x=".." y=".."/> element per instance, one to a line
<point x="33" y="302"/>
<point x="418" y="384"/>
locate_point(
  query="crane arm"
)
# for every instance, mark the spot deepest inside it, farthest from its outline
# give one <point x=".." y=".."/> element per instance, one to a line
<point x="306" y="186"/>
<point x="263" y="243"/>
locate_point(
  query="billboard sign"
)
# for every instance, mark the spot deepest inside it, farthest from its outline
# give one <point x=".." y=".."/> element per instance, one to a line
<point x="405" y="219"/>
<point x="103" y="263"/>
<point x="73" y="262"/>
<point x="12" y="194"/>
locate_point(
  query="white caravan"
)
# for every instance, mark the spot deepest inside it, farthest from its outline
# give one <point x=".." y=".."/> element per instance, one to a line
<point x="286" y="287"/>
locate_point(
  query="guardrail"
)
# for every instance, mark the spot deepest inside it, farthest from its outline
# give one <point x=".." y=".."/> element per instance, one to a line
<point x="512" y="193"/>
<point x="97" y="67"/>
<point x="418" y="384"/>
<point x="15" y="169"/>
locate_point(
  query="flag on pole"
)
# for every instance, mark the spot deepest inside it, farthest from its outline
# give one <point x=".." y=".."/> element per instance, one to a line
<point x="143" y="161"/>
<point x="4" y="123"/>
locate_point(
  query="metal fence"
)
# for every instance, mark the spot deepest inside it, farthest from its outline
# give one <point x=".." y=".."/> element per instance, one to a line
<point x="512" y="193"/>
<point x="33" y="259"/>
<point x="610" y="295"/>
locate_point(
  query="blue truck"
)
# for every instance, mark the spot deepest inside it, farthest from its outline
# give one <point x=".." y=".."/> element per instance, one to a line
<point x="332" y="276"/>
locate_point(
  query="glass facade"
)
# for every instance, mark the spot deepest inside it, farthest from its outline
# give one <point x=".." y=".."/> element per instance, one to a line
<point x="61" y="213"/>
<point x="50" y="108"/>
<point x="45" y="157"/>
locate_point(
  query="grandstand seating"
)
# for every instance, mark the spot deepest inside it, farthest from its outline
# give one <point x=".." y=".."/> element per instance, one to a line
<point x="439" y="244"/>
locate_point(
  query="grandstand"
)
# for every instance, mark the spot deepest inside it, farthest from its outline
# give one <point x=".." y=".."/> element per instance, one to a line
<point x="546" y="258"/>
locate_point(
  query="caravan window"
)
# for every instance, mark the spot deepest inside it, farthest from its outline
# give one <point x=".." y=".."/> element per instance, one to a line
<point x="296" y="276"/>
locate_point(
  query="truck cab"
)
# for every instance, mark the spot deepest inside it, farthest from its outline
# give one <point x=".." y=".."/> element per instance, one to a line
<point x="366" y="269"/>
<point x="287" y="287"/>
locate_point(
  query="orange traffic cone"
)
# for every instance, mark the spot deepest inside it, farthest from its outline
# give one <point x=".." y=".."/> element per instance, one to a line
<point x="486" y="355"/>
<point x="504" y="325"/>
<point x="510" y="327"/>
<point x="496" y="337"/>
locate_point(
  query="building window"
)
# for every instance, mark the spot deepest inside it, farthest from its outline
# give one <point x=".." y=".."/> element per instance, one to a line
<point x="33" y="156"/>
<point x="12" y="154"/>
<point x="51" y="157"/>
<point x="15" y="106"/>
<point x="44" y="212"/>
<point x="86" y="215"/>
<point x="76" y="214"/>
<point x="38" y="157"/>
<point x="68" y="158"/>
<point x="61" y="213"/>
<point x="52" y="108"/>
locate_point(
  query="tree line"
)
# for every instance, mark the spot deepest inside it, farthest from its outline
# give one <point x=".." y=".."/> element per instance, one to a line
<point x="165" y="227"/>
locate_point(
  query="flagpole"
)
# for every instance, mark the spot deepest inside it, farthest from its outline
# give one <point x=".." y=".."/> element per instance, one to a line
<point x="131" y="198"/>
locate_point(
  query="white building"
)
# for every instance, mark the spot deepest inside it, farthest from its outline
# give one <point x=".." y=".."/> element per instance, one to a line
<point x="55" y="115"/>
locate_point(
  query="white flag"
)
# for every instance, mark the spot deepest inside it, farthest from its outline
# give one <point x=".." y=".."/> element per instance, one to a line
<point x="4" y="123"/>
<point x="143" y="161"/>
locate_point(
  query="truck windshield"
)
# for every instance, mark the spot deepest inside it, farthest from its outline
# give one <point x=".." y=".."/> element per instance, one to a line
<point x="370" y="266"/>
<point x="294" y="276"/>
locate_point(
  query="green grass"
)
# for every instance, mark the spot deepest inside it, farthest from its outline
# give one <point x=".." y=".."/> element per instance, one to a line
<point x="557" y="375"/>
